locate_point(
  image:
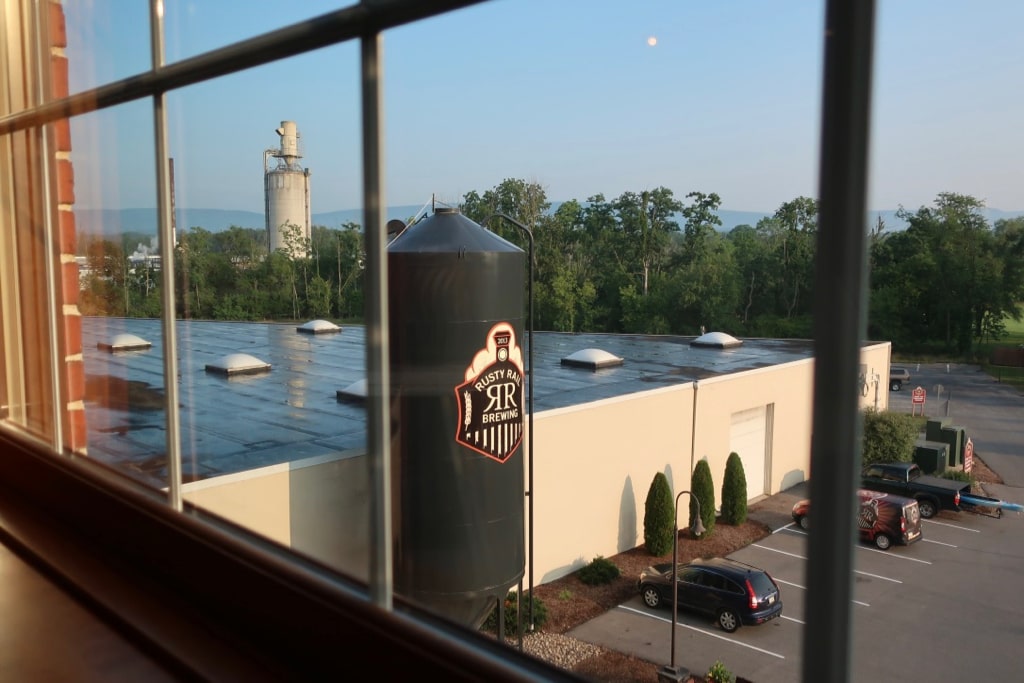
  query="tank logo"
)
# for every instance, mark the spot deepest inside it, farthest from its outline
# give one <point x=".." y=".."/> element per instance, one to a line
<point x="490" y="401"/>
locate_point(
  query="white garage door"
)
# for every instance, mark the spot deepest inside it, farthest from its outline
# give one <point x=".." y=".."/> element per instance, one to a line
<point x="748" y="437"/>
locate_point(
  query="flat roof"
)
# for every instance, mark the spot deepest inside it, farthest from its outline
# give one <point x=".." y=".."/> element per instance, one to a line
<point x="292" y="412"/>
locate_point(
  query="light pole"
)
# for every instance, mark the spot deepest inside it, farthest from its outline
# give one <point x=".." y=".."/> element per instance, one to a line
<point x="672" y="672"/>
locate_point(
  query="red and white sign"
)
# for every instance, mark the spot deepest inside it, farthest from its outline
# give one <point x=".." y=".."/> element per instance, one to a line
<point x="917" y="397"/>
<point x="968" y="455"/>
<point x="490" y="400"/>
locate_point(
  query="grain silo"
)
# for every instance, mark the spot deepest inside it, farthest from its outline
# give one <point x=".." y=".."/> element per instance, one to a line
<point x="286" y="193"/>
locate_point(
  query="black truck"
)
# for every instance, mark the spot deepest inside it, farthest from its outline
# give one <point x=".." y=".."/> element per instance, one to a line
<point x="906" y="479"/>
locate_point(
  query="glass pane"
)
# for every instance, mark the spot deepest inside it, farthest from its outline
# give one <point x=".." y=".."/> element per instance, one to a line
<point x="266" y="443"/>
<point x="197" y="27"/>
<point x="107" y="40"/>
<point x="582" y="110"/>
<point x="119" y="260"/>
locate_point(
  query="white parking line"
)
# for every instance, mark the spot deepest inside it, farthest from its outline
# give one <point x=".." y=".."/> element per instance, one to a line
<point x="953" y="526"/>
<point x="801" y="557"/>
<point x="876" y="576"/>
<point x="704" y="631"/>
<point x="874" y="550"/>
<point x="792" y="619"/>
<point x="893" y="555"/>
<point x="781" y="552"/>
<point x="803" y="588"/>
<point x="948" y="545"/>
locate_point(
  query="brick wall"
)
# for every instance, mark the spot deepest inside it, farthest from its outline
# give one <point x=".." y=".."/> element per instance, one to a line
<point x="70" y="319"/>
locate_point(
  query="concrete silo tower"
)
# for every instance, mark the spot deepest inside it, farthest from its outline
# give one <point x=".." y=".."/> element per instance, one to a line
<point x="286" y="188"/>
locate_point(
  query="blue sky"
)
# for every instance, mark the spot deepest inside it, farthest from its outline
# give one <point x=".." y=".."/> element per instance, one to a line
<point x="566" y="93"/>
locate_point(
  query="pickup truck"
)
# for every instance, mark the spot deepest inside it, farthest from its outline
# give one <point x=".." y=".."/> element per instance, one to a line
<point x="907" y="479"/>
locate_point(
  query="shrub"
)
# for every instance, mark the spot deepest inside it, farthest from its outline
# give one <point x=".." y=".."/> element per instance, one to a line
<point x="734" y="491"/>
<point x="959" y="475"/>
<point x="719" y="674"/>
<point x="659" y="516"/>
<point x="540" y="614"/>
<point x="703" y="488"/>
<point x="888" y="437"/>
<point x="599" y="571"/>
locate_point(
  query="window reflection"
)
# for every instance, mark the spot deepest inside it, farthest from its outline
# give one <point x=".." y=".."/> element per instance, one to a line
<point x="107" y="40"/>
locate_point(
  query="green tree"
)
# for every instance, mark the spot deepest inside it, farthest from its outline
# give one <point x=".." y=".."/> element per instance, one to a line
<point x="755" y="273"/>
<point x="193" y="255"/>
<point x="106" y="284"/>
<point x="524" y="201"/>
<point x="734" y="491"/>
<point x="659" y="516"/>
<point x="645" y="221"/>
<point x="318" y="297"/>
<point x="350" y="257"/>
<point x="796" y="225"/>
<point x="941" y="282"/>
<point x="703" y="291"/>
<point x="701" y="220"/>
<point x="703" y="488"/>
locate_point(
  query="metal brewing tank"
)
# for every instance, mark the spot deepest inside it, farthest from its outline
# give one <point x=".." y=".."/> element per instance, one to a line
<point x="457" y="378"/>
<point x="286" y="189"/>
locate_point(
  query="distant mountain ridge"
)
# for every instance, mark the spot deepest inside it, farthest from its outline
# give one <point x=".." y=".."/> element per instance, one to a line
<point x="111" y="222"/>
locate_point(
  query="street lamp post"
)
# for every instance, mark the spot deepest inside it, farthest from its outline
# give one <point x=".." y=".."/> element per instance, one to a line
<point x="672" y="673"/>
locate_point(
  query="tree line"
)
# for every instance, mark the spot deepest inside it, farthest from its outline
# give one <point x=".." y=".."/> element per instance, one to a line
<point x="644" y="262"/>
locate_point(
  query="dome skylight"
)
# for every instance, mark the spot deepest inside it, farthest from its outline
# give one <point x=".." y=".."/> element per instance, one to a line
<point x="318" y="327"/>
<point x="125" y="342"/>
<point x="716" y="340"/>
<point x="238" y="364"/>
<point x="593" y="359"/>
<point x="355" y="392"/>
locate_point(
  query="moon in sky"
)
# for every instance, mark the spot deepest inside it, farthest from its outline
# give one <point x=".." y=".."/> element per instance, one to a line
<point x="652" y="41"/>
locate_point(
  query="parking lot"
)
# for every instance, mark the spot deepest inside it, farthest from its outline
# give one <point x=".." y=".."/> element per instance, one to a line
<point x="946" y="608"/>
<point x="949" y="607"/>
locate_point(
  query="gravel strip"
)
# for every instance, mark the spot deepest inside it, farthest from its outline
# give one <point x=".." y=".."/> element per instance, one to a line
<point x="556" y="648"/>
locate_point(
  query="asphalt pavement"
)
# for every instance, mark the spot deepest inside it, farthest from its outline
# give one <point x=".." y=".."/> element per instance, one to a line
<point x="991" y="413"/>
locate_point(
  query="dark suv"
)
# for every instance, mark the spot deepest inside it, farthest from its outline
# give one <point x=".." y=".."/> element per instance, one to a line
<point x="732" y="592"/>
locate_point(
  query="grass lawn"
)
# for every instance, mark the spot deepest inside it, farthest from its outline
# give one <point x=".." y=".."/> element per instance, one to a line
<point x="1014" y="337"/>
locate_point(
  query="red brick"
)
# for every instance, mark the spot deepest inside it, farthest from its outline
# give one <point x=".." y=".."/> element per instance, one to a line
<point x="69" y="287"/>
<point x="75" y="380"/>
<point x="72" y="335"/>
<point x="65" y="182"/>
<point x="68" y="234"/>
<point x="62" y="135"/>
<point x="58" y="76"/>
<point x="58" y="27"/>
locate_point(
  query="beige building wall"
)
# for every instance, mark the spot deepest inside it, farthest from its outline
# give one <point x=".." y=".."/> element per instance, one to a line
<point x="318" y="507"/>
<point x="592" y="467"/>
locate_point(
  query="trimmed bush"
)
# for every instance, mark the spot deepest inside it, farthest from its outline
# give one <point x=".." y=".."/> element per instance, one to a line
<point x="600" y="571"/>
<point x="659" y="516"/>
<point x="734" y="491"/>
<point x="888" y="437"/>
<point x="703" y="488"/>
<point x="540" y="615"/>
<point x="719" y="674"/>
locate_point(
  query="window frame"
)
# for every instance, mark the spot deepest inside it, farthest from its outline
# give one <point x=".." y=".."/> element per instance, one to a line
<point x="305" y="612"/>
